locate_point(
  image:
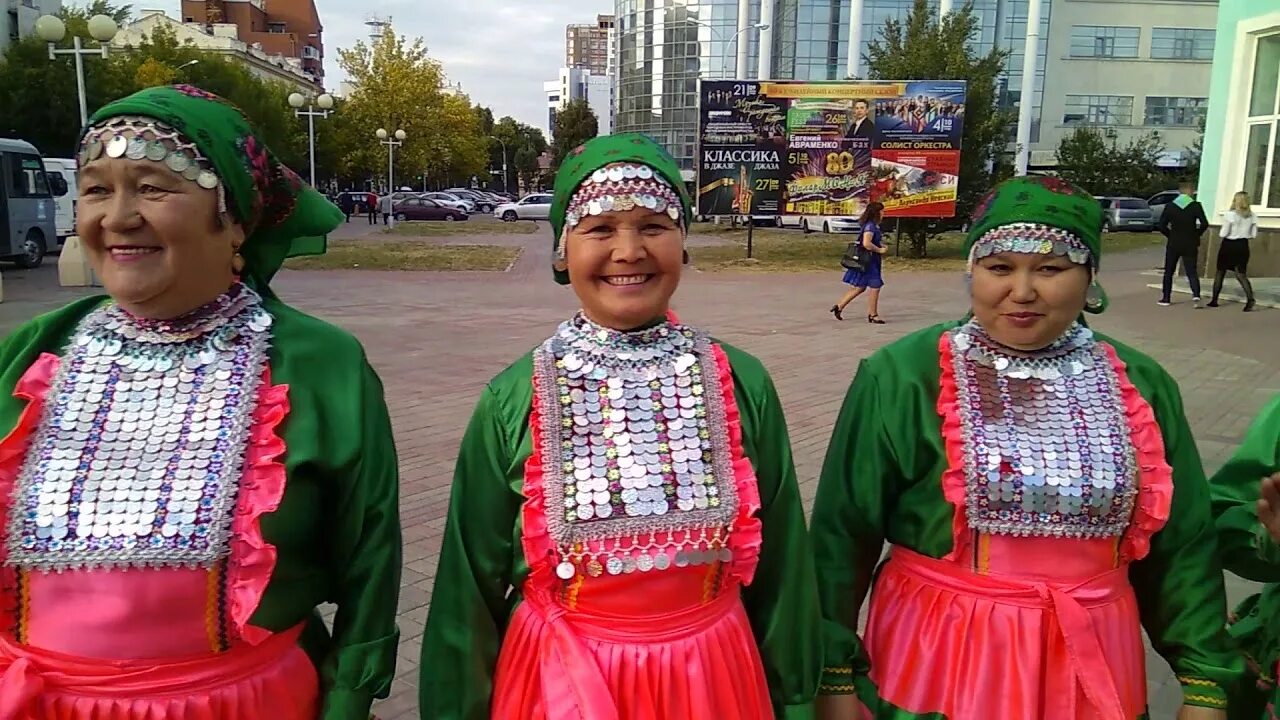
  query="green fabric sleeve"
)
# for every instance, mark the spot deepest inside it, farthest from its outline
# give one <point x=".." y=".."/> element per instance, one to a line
<point x="857" y="484"/>
<point x="469" y="603"/>
<point x="1179" y="584"/>
<point x="781" y="600"/>
<point x="361" y="663"/>
<point x="1247" y="549"/>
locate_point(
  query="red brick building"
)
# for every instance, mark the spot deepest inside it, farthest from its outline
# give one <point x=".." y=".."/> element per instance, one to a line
<point x="282" y="27"/>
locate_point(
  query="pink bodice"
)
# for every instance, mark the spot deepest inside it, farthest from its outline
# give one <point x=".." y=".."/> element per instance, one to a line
<point x="146" y="612"/>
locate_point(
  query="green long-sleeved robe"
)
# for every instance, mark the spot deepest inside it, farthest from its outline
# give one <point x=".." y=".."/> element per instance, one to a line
<point x="881" y="480"/>
<point x="337" y="530"/>
<point x="482" y="566"/>
<point x="1248" y="551"/>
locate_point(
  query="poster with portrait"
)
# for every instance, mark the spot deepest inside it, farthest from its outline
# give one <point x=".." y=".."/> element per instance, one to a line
<point x="829" y="148"/>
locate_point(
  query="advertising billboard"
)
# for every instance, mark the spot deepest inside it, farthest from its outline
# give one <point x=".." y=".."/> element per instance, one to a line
<point x="829" y="148"/>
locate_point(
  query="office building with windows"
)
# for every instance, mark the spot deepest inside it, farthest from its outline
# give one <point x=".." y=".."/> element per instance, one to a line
<point x="1099" y="61"/>
<point x="664" y="49"/>
<point x="1129" y="68"/>
<point x="1242" y="131"/>
<point x="576" y="83"/>
<point x="18" y="19"/>
<point x="290" y="28"/>
<point x="587" y="45"/>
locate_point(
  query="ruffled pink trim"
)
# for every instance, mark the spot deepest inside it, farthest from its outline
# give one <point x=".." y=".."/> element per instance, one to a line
<point x="253" y="559"/>
<point x="1155" y="476"/>
<point x="953" y="478"/>
<point x="33" y="387"/>
<point x="539" y="550"/>
<point x="747" y="528"/>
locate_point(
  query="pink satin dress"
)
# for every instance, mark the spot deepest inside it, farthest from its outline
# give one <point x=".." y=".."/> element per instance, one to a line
<point x="1020" y="628"/>
<point x="639" y="625"/>
<point x="152" y="643"/>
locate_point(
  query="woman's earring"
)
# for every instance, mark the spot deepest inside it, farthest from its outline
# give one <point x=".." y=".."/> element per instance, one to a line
<point x="237" y="261"/>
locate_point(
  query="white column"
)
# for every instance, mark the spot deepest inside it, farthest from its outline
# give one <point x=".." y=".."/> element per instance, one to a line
<point x="744" y="42"/>
<point x="1026" y="100"/>
<point x="766" y="41"/>
<point x="853" y="68"/>
<point x="944" y="8"/>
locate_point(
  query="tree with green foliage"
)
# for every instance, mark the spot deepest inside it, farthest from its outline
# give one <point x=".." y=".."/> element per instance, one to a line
<point x="1100" y="164"/>
<point x="575" y="124"/>
<point x="922" y="47"/>
<point x="524" y="144"/>
<point x="40" y="97"/>
<point x="399" y="87"/>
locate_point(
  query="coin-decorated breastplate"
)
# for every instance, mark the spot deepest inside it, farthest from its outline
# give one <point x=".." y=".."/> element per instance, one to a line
<point x="636" y="456"/>
<point x="1046" y="437"/>
<point x="138" y="455"/>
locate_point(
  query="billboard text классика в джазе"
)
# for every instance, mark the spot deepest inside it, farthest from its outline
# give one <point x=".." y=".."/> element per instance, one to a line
<point x="829" y="148"/>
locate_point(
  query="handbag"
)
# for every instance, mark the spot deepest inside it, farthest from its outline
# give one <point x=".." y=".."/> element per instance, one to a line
<point x="855" y="256"/>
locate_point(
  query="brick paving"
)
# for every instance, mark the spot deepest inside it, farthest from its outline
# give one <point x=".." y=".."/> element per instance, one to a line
<point x="437" y="337"/>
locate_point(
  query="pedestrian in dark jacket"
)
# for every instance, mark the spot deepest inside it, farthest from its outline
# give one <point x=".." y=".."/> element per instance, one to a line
<point x="1182" y="223"/>
<point x="347" y="202"/>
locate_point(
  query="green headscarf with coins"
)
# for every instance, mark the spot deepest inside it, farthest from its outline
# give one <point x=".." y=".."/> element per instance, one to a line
<point x="586" y="159"/>
<point x="209" y="141"/>
<point x="1044" y="215"/>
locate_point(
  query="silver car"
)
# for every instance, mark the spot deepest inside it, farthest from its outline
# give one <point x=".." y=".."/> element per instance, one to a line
<point x="531" y="207"/>
<point x="1126" y="213"/>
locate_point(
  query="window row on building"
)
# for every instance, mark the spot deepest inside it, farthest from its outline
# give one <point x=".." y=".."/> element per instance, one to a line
<point x="1167" y="43"/>
<point x="1118" y="110"/>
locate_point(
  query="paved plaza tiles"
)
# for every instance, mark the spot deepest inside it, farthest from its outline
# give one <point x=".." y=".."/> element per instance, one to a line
<point x="437" y="337"/>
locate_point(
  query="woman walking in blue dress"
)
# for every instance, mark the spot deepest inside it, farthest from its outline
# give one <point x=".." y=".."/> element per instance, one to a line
<point x="867" y="279"/>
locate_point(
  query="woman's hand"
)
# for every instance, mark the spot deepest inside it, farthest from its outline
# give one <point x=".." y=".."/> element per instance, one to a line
<point x="840" y="707"/>
<point x="1193" y="712"/>
<point x="1269" y="505"/>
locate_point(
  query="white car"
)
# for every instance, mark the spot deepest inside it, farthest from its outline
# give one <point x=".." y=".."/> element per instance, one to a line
<point x="829" y="223"/>
<point x="450" y="200"/>
<point x="530" y="207"/>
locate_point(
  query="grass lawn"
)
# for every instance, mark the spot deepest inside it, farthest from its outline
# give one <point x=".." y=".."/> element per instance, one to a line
<point x="479" y="225"/>
<point x="777" y="250"/>
<point x="407" y="255"/>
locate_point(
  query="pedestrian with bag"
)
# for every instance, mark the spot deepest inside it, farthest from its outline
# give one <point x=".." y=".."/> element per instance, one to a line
<point x="862" y="262"/>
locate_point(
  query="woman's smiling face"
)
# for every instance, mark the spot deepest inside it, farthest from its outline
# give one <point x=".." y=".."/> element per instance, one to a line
<point x="625" y="266"/>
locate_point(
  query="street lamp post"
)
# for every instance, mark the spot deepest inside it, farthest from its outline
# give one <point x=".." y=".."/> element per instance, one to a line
<point x="724" y="60"/>
<point x="52" y="30"/>
<point x="386" y="139"/>
<point x="325" y="103"/>
<point x="506" y="187"/>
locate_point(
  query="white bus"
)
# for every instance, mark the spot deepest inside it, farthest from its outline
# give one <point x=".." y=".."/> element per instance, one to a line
<point x="27" y="211"/>
<point x="65" y="194"/>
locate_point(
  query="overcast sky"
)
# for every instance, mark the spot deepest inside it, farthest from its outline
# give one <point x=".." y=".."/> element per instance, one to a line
<point x="500" y="50"/>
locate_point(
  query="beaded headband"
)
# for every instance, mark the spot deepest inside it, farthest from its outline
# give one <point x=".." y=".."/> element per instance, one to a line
<point x="139" y="138"/>
<point x="1031" y="238"/>
<point x="621" y="187"/>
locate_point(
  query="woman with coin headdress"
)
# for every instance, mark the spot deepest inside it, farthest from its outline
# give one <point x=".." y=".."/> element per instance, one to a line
<point x="191" y="466"/>
<point x="1042" y="495"/>
<point x="625" y="537"/>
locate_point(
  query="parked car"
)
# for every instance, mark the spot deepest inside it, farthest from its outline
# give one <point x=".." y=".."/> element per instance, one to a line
<point x="786" y="221"/>
<point x="1126" y="213"/>
<point x="425" y="209"/>
<point x="829" y="223"/>
<point x="1159" y="200"/>
<point x="451" y="200"/>
<point x="530" y="207"/>
<point x="483" y="204"/>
